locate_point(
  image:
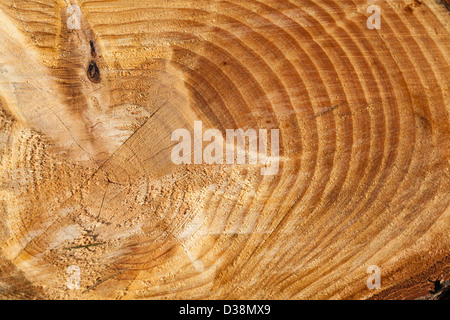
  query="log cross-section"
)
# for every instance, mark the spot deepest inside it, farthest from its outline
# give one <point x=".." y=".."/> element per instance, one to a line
<point x="241" y="149"/>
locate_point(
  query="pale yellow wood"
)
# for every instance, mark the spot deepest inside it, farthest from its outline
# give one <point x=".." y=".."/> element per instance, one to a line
<point x="87" y="177"/>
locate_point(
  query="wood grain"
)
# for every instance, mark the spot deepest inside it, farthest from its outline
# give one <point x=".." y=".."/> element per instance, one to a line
<point x="85" y="160"/>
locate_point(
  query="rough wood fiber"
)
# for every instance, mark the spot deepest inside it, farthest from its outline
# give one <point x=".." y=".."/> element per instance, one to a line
<point x="87" y="177"/>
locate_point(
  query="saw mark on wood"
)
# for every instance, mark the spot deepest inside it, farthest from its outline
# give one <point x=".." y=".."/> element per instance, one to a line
<point x="85" y="246"/>
<point x="107" y="278"/>
<point x="323" y="112"/>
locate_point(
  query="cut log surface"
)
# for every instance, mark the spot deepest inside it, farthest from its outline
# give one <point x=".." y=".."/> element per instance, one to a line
<point x="89" y="190"/>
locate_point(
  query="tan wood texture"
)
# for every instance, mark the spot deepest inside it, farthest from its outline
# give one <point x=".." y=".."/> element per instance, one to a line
<point x="87" y="179"/>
